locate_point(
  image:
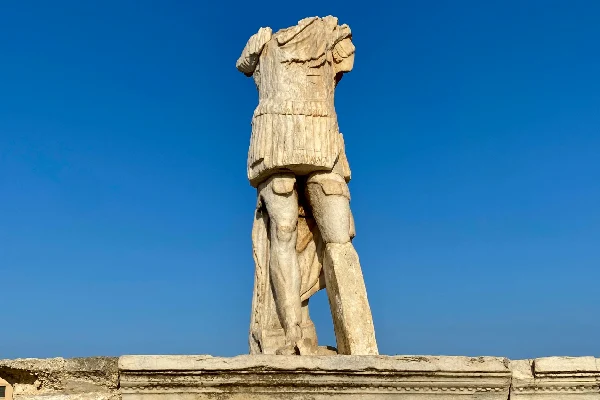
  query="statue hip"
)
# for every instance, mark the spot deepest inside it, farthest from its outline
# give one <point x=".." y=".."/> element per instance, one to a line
<point x="298" y="143"/>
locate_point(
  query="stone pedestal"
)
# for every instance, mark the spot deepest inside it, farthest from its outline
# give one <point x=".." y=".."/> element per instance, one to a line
<point x="313" y="377"/>
<point x="93" y="378"/>
<point x="556" y="378"/>
<point x="301" y="378"/>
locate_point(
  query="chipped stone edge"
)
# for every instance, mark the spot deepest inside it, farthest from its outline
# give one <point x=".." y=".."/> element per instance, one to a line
<point x="341" y="363"/>
<point x="322" y="374"/>
<point x="31" y="377"/>
<point x="109" y="377"/>
<point x="556" y="376"/>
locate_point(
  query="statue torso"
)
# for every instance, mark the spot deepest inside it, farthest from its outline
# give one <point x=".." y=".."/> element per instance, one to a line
<point x="294" y="126"/>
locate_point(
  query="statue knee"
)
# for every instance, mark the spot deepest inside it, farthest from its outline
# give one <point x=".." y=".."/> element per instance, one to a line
<point x="285" y="232"/>
<point x="336" y="234"/>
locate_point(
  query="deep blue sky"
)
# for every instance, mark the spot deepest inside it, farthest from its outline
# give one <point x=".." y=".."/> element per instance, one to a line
<point x="472" y="129"/>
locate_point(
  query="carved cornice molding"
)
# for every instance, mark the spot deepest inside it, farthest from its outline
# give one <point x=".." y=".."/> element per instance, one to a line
<point x="559" y="376"/>
<point x="444" y="377"/>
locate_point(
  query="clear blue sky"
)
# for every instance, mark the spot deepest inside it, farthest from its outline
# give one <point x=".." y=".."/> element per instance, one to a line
<point x="472" y="129"/>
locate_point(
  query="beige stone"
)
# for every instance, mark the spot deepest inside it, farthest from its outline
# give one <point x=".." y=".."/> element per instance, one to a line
<point x="555" y="378"/>
<point x="72" y="396"/>
<point x="301" y="378"/>
<point x="298" y="164"/>
<point x="94" y="378"/>
<point x="569" y="365"/>
<point x="352" y="319"/>
<point x="313" y="377"/>
<point x="296" y="70"/>
<point x="6" y="390"/>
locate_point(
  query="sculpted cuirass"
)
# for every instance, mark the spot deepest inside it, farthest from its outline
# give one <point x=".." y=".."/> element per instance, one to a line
<point x="294" y="126"/>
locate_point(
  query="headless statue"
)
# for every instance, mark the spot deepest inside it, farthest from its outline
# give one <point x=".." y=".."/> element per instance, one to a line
<point x="303" y="226"/>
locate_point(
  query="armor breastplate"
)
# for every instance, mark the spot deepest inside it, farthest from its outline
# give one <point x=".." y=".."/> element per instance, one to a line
<point x="294" y="126"/>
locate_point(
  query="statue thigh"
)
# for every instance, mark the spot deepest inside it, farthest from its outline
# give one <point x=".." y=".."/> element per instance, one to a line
<point x="329" y="198"/>
<point x="278" y="193"/>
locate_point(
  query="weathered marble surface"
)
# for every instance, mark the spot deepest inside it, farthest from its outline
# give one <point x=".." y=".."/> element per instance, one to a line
<point x="552" y="378"/>
<point x="94" y="378"/>
<point x="298" y="164"/>
<point x="303" y="378"/>
<point x="314" y="377"/>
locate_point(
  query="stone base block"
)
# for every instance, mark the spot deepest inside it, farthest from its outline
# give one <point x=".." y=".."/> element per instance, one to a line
<point x="313" y="377"/>
<point x="94" y="378"/>
<point x="556" y="378"/>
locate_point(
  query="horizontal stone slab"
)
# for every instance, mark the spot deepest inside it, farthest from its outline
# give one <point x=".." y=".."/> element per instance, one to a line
<point x="313" y="377"/>
<point x="93" y="378"/>
<point x="325" y="363"/>
<point x="565" y="365"/>
<point x="556" y="378"/>
<point x="301" y="378"/>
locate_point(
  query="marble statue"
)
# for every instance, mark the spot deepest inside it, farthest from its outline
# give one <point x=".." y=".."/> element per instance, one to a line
<point x="303" y="226"/>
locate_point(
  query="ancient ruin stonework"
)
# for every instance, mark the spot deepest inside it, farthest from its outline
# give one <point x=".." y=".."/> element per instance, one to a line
<point x="95" y="378"/>
<point x="303" y="226"/>
<point x="302" y="243"/>
<point x="315" y="377"/>
<point x="556" y="378"/>
<point x="301" y="378"/>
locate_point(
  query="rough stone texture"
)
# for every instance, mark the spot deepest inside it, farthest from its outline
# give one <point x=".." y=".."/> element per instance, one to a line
<point x="302" y="378"/>
<point x="313" y="377"/>
<point x="556" y="378"/>
<point x="94" y="378"/>
<point x="352" y="320"/>
<point x="298" y="164"/>
<point x="6" y="390"/>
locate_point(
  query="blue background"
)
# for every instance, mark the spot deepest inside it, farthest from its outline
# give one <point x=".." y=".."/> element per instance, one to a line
<point x="473" y="132"/>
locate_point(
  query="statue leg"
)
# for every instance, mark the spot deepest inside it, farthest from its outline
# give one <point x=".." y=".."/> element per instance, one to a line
<point x="329" y="199"/>
<point x="281" y="200"/>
